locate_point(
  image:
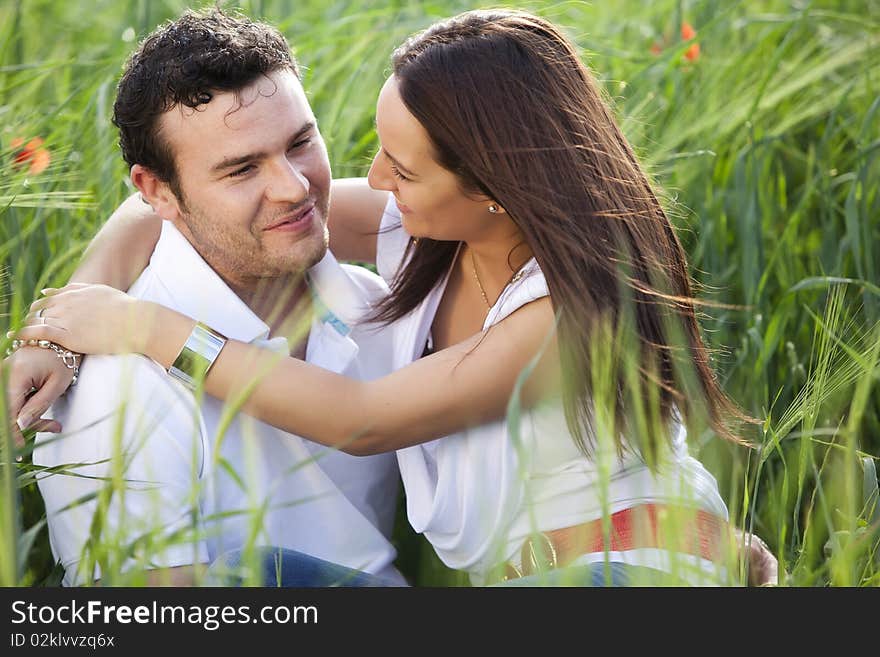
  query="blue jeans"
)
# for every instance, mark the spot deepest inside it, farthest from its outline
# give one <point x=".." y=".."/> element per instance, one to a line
<point x="287" y="568"/>
<point x="596" y="574"/>
<point x="280" y="567"/>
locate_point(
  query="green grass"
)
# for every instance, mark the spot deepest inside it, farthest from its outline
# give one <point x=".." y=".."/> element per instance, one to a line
<point x="767" y="148"/>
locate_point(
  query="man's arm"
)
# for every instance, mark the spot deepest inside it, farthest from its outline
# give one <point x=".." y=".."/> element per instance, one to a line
<point x="355" y="213"/>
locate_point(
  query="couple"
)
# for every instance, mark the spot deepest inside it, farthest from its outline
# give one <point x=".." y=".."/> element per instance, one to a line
<point x="530" y="267"/>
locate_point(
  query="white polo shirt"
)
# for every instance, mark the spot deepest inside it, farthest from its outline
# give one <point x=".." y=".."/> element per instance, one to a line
<point x="199" y="480"/>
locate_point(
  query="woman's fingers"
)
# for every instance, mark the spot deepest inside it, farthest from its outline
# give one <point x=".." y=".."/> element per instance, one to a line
<point x="40" y="304"/>
<point x="83" y="318"/>
<point x="41" y="332"/>
<point x="52" y="295"/>
<point x="44" y="317"/>
<point x="38" y="318"/>
<point x="70" y="287"/>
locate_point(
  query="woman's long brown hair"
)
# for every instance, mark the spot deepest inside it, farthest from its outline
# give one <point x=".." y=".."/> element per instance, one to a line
<point x="515" y="114"/>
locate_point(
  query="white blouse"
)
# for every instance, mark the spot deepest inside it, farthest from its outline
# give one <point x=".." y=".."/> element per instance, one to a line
<point x="476" y="495"/>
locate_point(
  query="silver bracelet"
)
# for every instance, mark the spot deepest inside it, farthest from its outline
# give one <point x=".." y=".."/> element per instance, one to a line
<point x="197" y="355"/>
<point x="71" y="359"/>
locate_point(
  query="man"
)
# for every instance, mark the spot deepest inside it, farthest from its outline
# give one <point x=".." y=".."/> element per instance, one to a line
<point x="223" y="145"/>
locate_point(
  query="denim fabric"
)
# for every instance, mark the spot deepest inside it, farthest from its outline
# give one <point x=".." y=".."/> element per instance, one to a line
<point x="281" y="567"/>
<point x="597" y="574"/>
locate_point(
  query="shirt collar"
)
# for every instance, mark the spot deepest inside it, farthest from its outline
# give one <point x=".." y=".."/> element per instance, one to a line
<point x="339" y="305"/>
<point x="198" y="291"/>
<point x="339" y="302"/>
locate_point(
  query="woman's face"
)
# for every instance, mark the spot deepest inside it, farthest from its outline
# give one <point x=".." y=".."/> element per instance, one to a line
<point x="431" y="202"/>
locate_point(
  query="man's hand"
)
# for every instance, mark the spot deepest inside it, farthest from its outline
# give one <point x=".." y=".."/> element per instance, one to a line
<point x="36" y="378"/>
<point x="763" y="567"/>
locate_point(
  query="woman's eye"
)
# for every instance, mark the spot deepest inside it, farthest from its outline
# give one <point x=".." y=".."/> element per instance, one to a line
<point x="397" y="174"/>
<point x="242" y="171"/>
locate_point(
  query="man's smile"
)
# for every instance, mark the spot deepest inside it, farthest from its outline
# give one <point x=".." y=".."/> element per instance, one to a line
<point x="299" y="221"/>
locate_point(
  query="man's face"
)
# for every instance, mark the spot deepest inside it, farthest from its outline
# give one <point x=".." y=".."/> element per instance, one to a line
<point x="254" y="179"/>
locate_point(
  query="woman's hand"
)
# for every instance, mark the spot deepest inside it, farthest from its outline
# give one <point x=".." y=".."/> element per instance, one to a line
<point x="89" y="319"/>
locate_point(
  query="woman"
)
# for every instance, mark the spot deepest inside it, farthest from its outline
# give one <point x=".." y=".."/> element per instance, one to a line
<point x="529" y="260"/>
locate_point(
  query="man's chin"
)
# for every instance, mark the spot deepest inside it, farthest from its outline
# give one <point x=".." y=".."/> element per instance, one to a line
<point x="301" y="262"/>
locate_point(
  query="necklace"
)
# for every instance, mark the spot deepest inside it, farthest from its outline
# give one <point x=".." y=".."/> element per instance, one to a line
<point x="513" y="279"/>
<point x="477" y="277"/>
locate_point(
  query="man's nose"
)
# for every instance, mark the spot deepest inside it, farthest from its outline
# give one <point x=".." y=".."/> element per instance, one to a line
<point x="288" y="183"/>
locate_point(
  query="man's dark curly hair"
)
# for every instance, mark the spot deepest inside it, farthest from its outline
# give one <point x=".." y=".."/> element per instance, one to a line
<point x="182" y="63"/>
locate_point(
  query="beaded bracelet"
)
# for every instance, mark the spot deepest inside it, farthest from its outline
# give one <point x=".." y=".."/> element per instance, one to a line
<point x="69" y="358"/>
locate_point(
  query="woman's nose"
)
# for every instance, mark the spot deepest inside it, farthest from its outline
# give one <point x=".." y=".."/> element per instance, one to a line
<point x="380" y="176"/>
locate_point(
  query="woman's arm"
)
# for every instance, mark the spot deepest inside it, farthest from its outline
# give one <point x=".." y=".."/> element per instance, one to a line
<point x="465" y="385"/>
<point x="462" y="386"/>
<point x="355" y="212"/>
<point x="122" y="248"/>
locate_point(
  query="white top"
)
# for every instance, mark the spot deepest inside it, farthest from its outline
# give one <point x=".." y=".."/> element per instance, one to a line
<point x="477" y="495"/>
<point x="249" y="483"/>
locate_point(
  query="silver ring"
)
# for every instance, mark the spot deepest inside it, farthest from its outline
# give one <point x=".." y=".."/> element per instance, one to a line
<point x="42" y="320"/>
<point x="39" y="312"/>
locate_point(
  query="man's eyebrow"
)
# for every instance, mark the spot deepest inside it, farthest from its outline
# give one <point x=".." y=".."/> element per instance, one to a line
<point x="237" y="160"/>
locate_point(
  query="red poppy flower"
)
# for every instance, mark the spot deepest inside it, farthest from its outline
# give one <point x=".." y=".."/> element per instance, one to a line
<point x="33" y="153"/>
<point x="688" y="33"/>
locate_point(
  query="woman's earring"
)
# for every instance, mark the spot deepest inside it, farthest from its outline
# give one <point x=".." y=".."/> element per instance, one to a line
<point x="493" y="209"/>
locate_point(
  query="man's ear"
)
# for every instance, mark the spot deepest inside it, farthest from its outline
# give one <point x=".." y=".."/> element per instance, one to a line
<point x="156" y="192"/>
